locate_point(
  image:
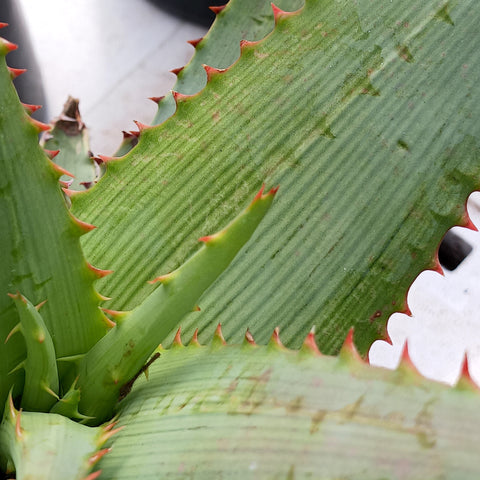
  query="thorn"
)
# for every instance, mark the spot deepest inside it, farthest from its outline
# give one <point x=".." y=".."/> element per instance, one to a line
<point x="218" y="336"/>
<point x="67" y="184"/>
<point x="108" y="427"/>
<point x="195" y="42"/>
<point x="179" y="96"/>
<point x="8" y="46"/>
<point x="70" y="193"/>
<point x="11" y="406"/>
<point x="348" y="350"/>
<point x="98" y="455"/>
<point x="103" y="298"/>
<point x="279" y="13"/>
<point x="3" y="24"/>
<point x="51" y="154"/>
<point x="163" y="279"/>
<point x="16" y="72"/>
<point x="98" y="272"/>
<point x="194" y="341"/>
<point x="83" y="226"/>
<point x="249" y="338"/>
<point x="208" y="238"/>
<point x="40" y="305"/>
<point x="217" y="9"/>
<point x="18" y="428"/>
<point x="108" y="434"/>
<point x="247" y="43"/>
<point x="176" y="71"/>
<point x="14" y="330"/>
<point x="157" y="100"/>
<point x="141" y="126"/>
<point x="39" y="126"/>
<point x="50" y="391"/>
<point x="274" y="190"/>
<point x="211" y="71"/>
<point x="275" y="338"/>
<point x="135" y="133"/>
<point x="103" y="159"/>
<point x="31" y="108"/>
<point x="258" y="196"/>
<point x="60" y="170"/>
<point x="177" y="341"/>
<point x="465" y="380"/>
<point x="196" y="308"/>
<point x="310" y="345"/>
<point x="93" y="475"/>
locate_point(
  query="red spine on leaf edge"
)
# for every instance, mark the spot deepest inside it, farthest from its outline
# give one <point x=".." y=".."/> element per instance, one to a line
<point x="178" y="338"/>
<point x="31" y="108"/>
<point x="157" y="100"/>
<point x="249" y="338"/>
<point x="176" y="71"/>
<point x="9" y="46"/>
<point x="217" y="9"/>
<point x="349" y="349"/>
<point x="211" y="71"/>
<point x="39" y="126"/>
<point x="310" y="344"/>
<point x="219" y="335"/>
<point x="195" y="42"/>
<point x="98" y="272"/>
<point x="16" y="72"/>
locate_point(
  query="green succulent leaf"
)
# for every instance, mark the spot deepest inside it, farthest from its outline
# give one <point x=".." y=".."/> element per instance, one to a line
<point x="109" y="366"/>
<point x="267" y="412"/>
<point x="46" y="446"/>
<point x="39" y="243"/>
<point x="364" y="112"/>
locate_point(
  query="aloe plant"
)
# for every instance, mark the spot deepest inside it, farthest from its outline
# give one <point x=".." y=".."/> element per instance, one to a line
<point x="364" y="113"/>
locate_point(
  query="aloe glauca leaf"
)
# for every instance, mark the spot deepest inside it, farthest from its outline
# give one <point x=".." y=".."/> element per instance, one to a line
<point x="41" y="376"/>
<point x="70" y="136"/>
<point x="117" y="357"/>
<point x="46" y="446"/>
<point x="39" y="241"/>
<point x="360" y="216"/>
<point x="276" y="413"/>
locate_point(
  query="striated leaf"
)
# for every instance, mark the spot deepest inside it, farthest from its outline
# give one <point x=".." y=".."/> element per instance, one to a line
<point x="266" y="412"/>
<point x="39" y="243"/>
<point x="364" y="112"/>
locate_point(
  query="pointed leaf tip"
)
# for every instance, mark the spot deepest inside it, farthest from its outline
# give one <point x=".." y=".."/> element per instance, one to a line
<point x="218" y="335"/>
<point x="29" y="108"/>
<point x="195" y="42"/>
<point x="212" y="71"/>
<point x="348" y="350"/>
<point x="217" y="9"/>
<point x="98" y="272"/>
<point x="39" y="126"/>
<point x="16" y="72"/>
<point x="310" y="345"/>
<point x="249" y="337"/>
<point x="7" y="46"/>
<point x="176" y="71"/>
<point x="177" y="341"/>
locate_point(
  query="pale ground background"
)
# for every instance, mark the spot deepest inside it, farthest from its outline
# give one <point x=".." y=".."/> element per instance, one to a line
<point x="114" y="54"/>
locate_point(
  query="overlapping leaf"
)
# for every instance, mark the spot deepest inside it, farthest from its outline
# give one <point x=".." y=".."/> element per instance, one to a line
<point x="365" y="113"/>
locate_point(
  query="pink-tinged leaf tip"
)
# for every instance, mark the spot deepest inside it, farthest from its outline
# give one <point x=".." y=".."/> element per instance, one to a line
<point x="83" y="226"/>
<point x="348" y="349"/>
<point x="29" y="108"/>
<point x="141" y="126"/>
<point x="39" y="126"/>
<point x="177" y="341"/>
<point x="51" y="154"/>
<point x="163" y="279"/>
<point x="16" y="72"/>
<point x="98" y="272"/>
<point x="218" y="335"/>
<point x="8" y="46"/>
<point x="176" y="71"/>
<point x="98" y="455"/>
<point x="60" y="170"/>
<point x="217" y="9"/>
<point x="211" y="71"/>
<point x="157" y="100"/>
<point x="195" y="42"/>
<point x="179" y="96"/>
<point x="18" y="428"/>
<point x="309" y="344"/>
<point x="465" y="380"/>
<point x="275" y="338"/>
<point x="93" y="475"/>
<point x="249" y="337"/>
<point x="278" y="13"/>
<point x="194" y="340"/>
